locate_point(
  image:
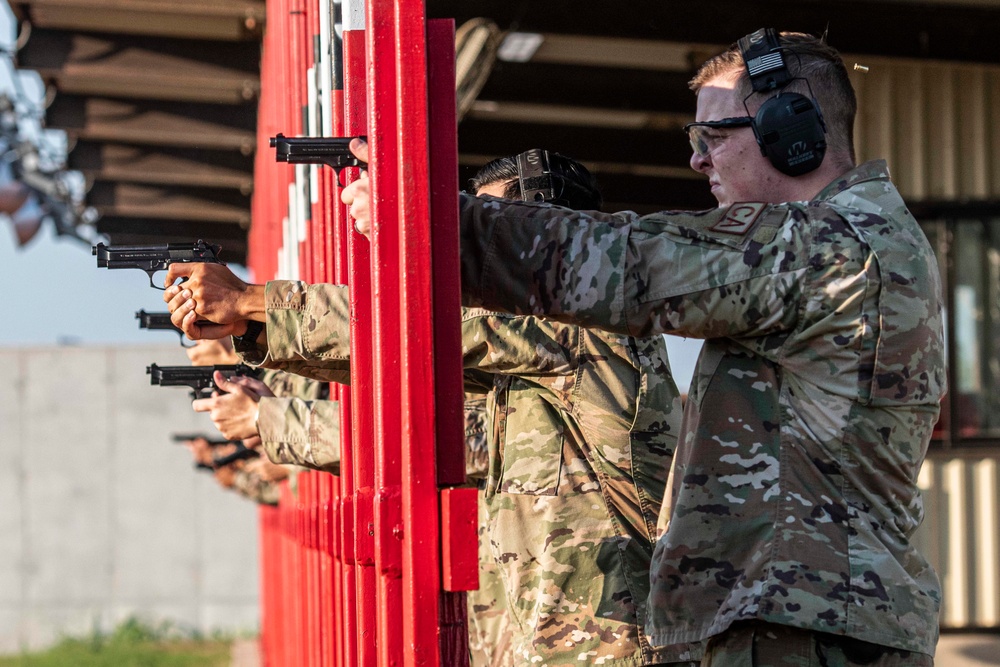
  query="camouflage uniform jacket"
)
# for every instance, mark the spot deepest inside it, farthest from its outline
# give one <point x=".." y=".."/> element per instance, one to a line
<point x="296" y="425"/>
<point x="794" y="494"/>
<point x="489" y="621"/>
<point x="583" y="429"/>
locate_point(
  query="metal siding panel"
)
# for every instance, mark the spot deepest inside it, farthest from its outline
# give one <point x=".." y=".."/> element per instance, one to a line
<point x="935" y="124"/>
<point x="923" y="538"/>
<point x="971" y="135"/>
<point x="959" y="536"/>
<point x="882" y="112"/>
<point x="865" y="126"/>
<point x="941" y="132"/>
<point x="954" y="577"/>
<point x="992" y="113"/>
<point x="987" y="553"/>
<point x="910" y="164"/>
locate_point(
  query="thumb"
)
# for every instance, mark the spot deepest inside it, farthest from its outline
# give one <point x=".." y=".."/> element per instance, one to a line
<point x="359" y="147"/>
<point x="224" y="383"/>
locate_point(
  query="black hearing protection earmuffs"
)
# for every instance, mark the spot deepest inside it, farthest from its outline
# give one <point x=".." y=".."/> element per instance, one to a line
<point x="550" y="177"/>
<point x="789" y="127"/>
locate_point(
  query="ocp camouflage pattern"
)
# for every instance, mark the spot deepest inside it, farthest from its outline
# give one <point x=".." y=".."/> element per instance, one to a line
<point x="297" y="425"/>
<point x="489" y="621"/>
<point x="477" y="455"/>
<point x="794" y="494"/>
<point x="300" y="432"/>
<point x="290" y="384"/>
<point x="490" y="626"/>
<point x="583" y="430"/>
<point x="770" y="645"/>
<point x="583" y="435"/>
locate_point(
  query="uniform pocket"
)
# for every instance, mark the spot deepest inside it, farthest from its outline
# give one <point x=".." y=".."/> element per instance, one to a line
<point x="533" y="435"/>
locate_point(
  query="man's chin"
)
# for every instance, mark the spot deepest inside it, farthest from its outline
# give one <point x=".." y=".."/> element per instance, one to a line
<point x="720" y="196"/>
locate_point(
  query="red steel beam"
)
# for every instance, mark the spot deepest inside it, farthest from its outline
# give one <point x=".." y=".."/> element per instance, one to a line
<point x="384" y="154"/>
<point x="422" y="596"/>
<point x="361" y="513"/>
<point x="459" y="512"/>
<point x="345" y="644"/>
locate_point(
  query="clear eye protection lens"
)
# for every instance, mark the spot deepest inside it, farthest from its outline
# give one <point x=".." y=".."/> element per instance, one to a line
<point x="697" y="132"/>
<point x="697" y="139"/>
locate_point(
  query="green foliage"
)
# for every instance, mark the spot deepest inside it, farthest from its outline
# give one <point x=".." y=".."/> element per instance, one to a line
<point x="131" y="644"/>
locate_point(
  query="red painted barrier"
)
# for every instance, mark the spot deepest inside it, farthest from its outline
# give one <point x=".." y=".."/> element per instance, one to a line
<point x="353" y="567"/>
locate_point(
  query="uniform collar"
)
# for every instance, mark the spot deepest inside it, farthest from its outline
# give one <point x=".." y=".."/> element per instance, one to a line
<point x="869" y="171"/>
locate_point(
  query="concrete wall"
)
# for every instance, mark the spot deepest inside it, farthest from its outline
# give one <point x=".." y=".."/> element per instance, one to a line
<point x="101" y="515"/>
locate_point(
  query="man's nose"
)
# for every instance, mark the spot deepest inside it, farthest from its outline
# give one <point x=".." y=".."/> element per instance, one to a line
<point x="700" y="163"/>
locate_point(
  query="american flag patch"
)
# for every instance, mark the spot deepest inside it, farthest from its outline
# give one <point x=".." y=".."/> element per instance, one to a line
<point x="765" y="63"/>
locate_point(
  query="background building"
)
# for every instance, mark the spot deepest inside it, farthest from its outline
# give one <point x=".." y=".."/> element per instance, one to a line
<point x="101" y="515"/>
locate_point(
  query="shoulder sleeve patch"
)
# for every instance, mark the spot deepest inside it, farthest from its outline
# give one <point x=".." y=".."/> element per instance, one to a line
<point x="739" y="218"/>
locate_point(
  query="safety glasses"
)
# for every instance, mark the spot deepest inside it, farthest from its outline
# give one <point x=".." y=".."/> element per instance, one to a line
<point x="703" y="135"/>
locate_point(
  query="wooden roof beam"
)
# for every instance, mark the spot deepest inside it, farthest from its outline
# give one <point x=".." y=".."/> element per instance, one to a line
<point x="130" y="200"/>
<point x="910" y="29"/>
<point x="142" y="67"/>
<point x="162" y="166"/>
<point x="156" y="124"/>
<point x="226" y="20"/>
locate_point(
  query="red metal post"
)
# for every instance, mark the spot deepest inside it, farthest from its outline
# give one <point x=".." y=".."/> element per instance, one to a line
<point x="361" y="513"/>
<point x="383" y="151"/>
<point x="460" y="567"/>
<point x="345" y="643"/>
<point x="421" y="552"/>
<point x="443" y="135"/>
<point x="360" y="555"/>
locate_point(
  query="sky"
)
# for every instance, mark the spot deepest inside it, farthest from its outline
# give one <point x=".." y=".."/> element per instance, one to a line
<point x="54" y="294"/>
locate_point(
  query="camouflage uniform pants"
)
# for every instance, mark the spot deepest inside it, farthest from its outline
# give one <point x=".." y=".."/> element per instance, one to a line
<point x="767" y="645"/>
<point x="489" y="620"/>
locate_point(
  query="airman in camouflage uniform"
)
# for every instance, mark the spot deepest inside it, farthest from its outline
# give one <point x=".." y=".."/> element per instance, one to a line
<point x="307" y="433"/>
<point x="583" y="428"/>
<point x="794" y="494"/>
<point x="296" y="428"/>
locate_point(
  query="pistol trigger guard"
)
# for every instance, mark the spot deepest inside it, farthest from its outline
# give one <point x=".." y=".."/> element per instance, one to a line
<point x="152" y="284"/>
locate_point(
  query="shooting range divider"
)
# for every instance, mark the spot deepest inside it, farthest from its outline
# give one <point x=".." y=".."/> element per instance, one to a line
<point x="353" y="568"/>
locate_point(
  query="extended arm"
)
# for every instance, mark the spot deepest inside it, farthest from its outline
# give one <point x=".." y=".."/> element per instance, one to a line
<point x="725" y="272"/>
<point x="305" y="433"/>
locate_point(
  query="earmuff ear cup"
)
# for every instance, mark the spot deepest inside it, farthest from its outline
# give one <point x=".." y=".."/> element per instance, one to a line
<point x="791" y="133"/>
